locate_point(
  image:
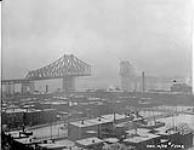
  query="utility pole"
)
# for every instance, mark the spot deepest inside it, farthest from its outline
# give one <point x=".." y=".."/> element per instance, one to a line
<point x="51" y="130"/>
<point x="51" y="123"/>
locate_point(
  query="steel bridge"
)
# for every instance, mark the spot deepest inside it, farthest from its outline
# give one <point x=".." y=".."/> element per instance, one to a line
<point x="67" y="67"/>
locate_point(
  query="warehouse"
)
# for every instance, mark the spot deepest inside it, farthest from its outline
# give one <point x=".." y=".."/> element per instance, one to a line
<point x="13" y="118"/>
<point x="32" y="117"/>
<point x="94" y="127"/>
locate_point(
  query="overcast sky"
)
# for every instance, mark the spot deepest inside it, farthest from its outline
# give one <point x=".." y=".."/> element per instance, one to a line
<point x="153" y="34"/>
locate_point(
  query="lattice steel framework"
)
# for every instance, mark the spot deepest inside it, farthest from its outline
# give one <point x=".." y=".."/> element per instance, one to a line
<point x="67" y="65"/>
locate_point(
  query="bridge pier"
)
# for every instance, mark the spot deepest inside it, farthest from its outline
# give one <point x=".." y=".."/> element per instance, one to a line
<point x="69" y="84"/>
<point x="27" y="87"/>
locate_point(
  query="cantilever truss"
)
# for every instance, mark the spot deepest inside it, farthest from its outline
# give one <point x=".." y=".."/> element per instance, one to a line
<point x="68" y="65"/>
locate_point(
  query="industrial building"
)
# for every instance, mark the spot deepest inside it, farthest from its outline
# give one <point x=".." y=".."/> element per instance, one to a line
<point x="17" y="118"/>
<point x="141" y="141"/>
<point x="13" y="118"/>
<point x="93" y="134"/>
<point x="181" y="88"/>
<point x="128" y="76"/>
<point x="99" y="127"/>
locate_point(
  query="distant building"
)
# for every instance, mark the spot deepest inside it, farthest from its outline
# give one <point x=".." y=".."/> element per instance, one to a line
<point x="181" y="88"/>
<point x="15" y="118"/>
<point x="154" y="83"/>
<point x="128" y="76"/>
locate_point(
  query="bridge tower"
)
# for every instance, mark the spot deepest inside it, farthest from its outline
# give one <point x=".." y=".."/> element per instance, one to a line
<point x="27" y="87"/>
<point x="69" y="83"/>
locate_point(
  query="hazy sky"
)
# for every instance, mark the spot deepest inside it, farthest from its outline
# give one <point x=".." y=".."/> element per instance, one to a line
<point x="154" y="34"/>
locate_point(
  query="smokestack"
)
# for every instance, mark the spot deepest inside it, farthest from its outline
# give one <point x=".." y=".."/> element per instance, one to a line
<point x="46" y="88"/>
<point x="114" y="116"/>
<point x="143" y="82"/>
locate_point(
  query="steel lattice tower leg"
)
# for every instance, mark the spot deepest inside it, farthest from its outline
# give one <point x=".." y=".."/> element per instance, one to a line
<point x="27" y="87"/>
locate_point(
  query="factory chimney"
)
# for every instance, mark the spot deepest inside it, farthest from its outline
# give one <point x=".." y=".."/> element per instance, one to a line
<point x="46" y="88"/>
<point x="143" y="82"/>
<point x="114" y="116"/>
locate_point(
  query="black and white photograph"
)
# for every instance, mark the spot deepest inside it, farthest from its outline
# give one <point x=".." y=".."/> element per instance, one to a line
<point x="97" y="75"/>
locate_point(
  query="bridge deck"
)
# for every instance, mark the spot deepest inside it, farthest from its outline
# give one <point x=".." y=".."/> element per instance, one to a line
<point x="14" y="81"/>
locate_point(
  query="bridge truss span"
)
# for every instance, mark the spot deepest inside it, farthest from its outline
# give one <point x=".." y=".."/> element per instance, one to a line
<point x="68" y="65"/>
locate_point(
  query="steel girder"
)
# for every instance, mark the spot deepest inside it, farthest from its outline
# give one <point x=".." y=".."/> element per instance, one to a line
<point x="67" y="65"/>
